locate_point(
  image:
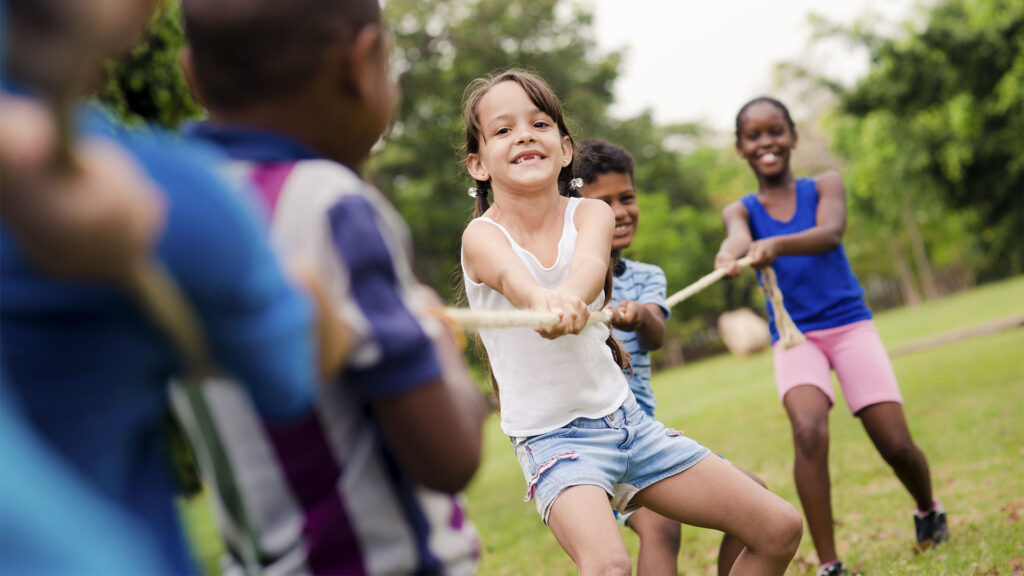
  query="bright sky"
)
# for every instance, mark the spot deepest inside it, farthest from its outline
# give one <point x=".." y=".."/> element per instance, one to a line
<point x="691" y="60"/>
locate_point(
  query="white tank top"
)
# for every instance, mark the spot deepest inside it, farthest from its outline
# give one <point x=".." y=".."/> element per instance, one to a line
<point x="544" y="384"/>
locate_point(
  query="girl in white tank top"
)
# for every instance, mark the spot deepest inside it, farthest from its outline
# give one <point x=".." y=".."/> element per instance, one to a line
<point x="556" y="381"/>
<point x="583" y="443"/>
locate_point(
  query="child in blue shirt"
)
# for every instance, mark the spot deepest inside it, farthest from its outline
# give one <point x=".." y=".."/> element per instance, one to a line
<point x="796" y="225"/>
<point x="88" y="367"/>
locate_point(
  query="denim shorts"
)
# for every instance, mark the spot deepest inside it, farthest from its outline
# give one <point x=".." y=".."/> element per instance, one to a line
<point x="623" y="452"/>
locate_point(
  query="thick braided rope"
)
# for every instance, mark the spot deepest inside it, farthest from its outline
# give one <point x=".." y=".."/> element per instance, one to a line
<point x="701" y="284"/>
<point x="473" y="320"/>
<point x="789" y="334"/>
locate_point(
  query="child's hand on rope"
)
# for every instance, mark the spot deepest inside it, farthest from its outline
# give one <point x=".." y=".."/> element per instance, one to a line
<point x="571" y="310"/>
<point x="763" y="252"/>
<point x="628" y="316"/>
<point x="334" y="337"/>
<point x="96" y="223"/>
<point x="728" y="262"/>
<point x="431" y="302"/>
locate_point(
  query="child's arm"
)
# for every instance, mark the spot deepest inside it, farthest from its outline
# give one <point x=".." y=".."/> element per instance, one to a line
<point x="738" y="239"/>
<point x="429" y="411"/>
<point x="595" y="223"/>
<point x="435" y="429"/>
<point x="489" y="258"/>
<point x="826" y="235"/>
<point x="647" y="320"/>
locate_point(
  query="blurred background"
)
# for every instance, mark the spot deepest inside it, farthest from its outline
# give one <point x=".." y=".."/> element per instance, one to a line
<point x="919" y="105"/>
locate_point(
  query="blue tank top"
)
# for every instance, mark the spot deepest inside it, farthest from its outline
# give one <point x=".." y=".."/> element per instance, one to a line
<point x="819" y="290"/>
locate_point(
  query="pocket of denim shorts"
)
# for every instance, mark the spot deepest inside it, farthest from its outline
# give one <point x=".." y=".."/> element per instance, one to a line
<point x="534" y="444"/>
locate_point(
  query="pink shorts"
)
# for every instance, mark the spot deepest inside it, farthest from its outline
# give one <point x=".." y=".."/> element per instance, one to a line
<point x="857" y="355"/>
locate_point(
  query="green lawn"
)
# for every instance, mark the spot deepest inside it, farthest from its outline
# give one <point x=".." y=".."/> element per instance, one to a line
<point x="963" y="402"/>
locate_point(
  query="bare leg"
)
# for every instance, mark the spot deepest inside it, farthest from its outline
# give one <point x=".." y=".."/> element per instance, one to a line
<point x="659" y="543"/>
<point x="887" y="428"/>
<point x="731" y="547"/>
<point x="714" y="494"/>
<point x="582" y="521"/>
<point x="808" y="409"/>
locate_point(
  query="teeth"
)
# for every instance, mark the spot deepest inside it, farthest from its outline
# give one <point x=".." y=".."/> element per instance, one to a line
<point x="769" y="157"/>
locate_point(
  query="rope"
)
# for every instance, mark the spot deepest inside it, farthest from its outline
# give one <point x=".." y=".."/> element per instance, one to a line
<point x="701" y="284"/>
<point x="473" y="320"/>
<point x="789" y="334"/>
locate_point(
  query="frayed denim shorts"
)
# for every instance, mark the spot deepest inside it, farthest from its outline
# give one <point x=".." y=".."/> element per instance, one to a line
<point x="623" y="452"/>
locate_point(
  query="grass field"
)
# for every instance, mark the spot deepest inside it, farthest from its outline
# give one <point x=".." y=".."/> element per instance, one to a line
<point x="963" y="401"/>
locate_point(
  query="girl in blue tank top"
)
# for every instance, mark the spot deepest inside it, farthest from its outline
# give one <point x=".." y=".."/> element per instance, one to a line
<point x="796" y="226"/>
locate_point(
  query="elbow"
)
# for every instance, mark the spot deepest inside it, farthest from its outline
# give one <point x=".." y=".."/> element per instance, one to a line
<point x="833" y="240"/>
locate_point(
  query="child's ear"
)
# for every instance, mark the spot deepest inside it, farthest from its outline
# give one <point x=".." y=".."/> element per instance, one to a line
<point x="364" y="60"/>
<point x="476" y="168"/>
<point x="566" y="150"/>
<point x="188" y="69"/>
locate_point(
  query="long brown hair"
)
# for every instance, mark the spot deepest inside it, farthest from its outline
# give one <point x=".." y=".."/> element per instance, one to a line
<point x="545" y="99"/>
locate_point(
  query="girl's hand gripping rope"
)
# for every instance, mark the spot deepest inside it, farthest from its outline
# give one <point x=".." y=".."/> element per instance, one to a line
<point x="572" y="312"/>
<point x="763" y="252"/>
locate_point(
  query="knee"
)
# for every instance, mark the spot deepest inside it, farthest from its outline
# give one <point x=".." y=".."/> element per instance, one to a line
<point x="611" y="564"/>
<point x="810" y="436"/>
<point x="782" y="534"/>
<point x="778" y="534"/>
<point x="789" y="532"/>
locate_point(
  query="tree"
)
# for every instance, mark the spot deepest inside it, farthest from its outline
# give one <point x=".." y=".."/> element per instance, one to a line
<point x="950" y="100"/>
<point x="146" y="84"/>
<point x="439" y="48"/>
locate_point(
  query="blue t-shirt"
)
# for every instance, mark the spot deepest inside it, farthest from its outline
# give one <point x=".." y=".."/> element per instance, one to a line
<point x="90" y="368"/>
<point x="818" y="290"/>
<point x="644" y="283"/>
<point x="51" y="521"/>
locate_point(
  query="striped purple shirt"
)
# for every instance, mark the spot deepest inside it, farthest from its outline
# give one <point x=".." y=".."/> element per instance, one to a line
<point x="323" y="495"/>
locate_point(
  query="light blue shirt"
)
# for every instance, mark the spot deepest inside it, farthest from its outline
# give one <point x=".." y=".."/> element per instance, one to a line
<point x="644" y="283"/>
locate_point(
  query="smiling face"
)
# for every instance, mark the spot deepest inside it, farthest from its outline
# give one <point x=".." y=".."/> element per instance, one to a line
<point x="765" y="139"/>
<point x="520" y="146"/>
<point x="616" y="189"/>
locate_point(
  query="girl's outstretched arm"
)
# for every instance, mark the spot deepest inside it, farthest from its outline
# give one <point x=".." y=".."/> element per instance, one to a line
<point x="595" y="223"/>
<point x="826" y="235"/>
<point x="737" y="241"/>
<point x="489" y="258"/>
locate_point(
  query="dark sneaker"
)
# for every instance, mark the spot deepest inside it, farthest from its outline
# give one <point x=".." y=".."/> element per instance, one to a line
<point x="931" y="527"/>
<point x="833" y="569"/>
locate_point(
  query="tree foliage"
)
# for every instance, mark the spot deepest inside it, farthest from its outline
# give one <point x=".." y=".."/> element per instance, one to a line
<point x="146" y="84"/>
<point x="930" y="141"/>
<point x="439" y="48"/>
<point x="940" y="119"/>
